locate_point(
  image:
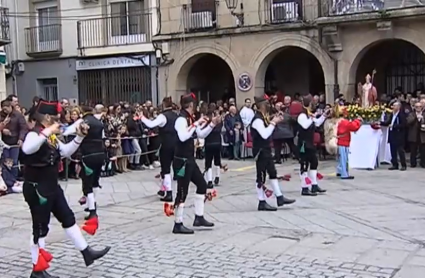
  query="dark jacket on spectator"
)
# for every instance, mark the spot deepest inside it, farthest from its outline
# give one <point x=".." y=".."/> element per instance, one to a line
<point x="17" y="126"/>
<point x="133" y="128"/>
<point x="229" y="125"/>
<point x="284" y="129"/>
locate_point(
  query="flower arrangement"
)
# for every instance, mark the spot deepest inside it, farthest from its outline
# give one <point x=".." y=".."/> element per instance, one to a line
<point x="369" y="115"/>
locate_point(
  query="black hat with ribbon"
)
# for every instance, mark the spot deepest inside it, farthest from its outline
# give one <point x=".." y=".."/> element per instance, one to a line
<point x="188" y="98"/>
<point x="261" y="99"/>
<point x="52" y="108"/>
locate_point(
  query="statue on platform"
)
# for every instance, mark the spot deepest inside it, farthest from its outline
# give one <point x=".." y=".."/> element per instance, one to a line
<point x="367" y="92"/>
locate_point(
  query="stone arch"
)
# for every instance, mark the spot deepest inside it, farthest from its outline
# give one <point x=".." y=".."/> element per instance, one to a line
<point x="356" y="51"/>
<point x="360" y="55"/>
<point x="270" y="49"/>
<point x="191" y="55"/>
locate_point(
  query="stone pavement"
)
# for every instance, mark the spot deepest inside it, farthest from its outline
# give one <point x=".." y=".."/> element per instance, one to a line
<point x="372" y="226"/>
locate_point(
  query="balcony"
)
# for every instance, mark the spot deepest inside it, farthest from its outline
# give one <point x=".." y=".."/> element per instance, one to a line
<point x="283" y="11"/>
<point x="115" y="34"/>
<point x="352" y="7"/>
<point x="4" y="25"/>
<point x="43" y="41"/>
<point x="200" y="16"/>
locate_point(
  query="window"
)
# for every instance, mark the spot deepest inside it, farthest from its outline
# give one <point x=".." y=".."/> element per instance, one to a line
<point x="127" y="18"/>
<point x="47" y="24"/>
<point x="49" y="89"/>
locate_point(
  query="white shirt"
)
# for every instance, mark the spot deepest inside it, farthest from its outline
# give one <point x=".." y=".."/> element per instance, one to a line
<point x="33" y="142"/>
<point x="393" y="119"/>
<point x="260" y="127"/>
<point x="160" y="121"/>
<point x="247" y="114"/>
<point x="185" y="132"/>
<point x="305" y="122"/>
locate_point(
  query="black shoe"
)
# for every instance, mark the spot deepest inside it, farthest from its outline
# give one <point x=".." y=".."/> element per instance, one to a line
<point x="168" y="197"/>
<point x="316" y="189"/>
<point x="393" y="168"/>
<point x="283" y="201"/>
<point x="161" y="193"/>
<point x="90" y="255"/>
<point x="307" y="192"/>
<point x="338" y="175"/>
<point x="210" y="185"/>
<point x="92" y="214"/>
<point x="179" y="228"/>
<point x="87" y="209"/>
<point x="263" y="206"/>
<point x="347" y="178"/>
<point x="42" y="274"/>
<point x="403" y="168"/>
<point x="201" y="222"/>
<point x="216" y="181"/>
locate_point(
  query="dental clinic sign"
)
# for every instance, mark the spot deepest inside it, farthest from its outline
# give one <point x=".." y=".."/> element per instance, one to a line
<point x="114" y="62"/>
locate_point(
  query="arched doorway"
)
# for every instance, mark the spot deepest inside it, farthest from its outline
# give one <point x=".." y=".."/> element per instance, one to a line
<point x="294" y="70"/>
<point x="398" y="63"/>
<point x="209" y="77"/>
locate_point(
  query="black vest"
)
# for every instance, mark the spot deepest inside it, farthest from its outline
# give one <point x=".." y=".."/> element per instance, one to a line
<point x="306" y="136"/>
<point x="186" y="149"/>
<point x="93" y="142"/>
<point x="214" y="138"/>
<point x="258" y="143"/>
<point x="167" y="134"/>
<point x="42" y="167"/>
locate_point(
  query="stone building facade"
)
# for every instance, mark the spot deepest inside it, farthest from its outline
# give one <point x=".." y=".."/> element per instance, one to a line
<point x="346" y="43"/>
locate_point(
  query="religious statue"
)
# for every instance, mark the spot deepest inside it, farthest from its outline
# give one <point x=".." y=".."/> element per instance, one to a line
<point x="367" y="92"/>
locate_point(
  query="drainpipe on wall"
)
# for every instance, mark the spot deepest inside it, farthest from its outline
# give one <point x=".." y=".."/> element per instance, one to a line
<point x="336" y="84"/>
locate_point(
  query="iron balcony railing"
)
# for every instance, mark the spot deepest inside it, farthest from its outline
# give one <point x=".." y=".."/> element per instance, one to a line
<point x="43" y="39"/>
<point x="284" y="11"/>
<point x="5" y="26"/>
<point x="114" y="31"/>
<point x="200" y="16"/>
<point x="343" y="7"/>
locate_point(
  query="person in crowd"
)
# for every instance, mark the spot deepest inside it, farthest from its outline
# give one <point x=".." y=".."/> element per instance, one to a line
<point x="168" y="139"/>
<point x="283" y="134"/>
<point x="135" y="133"/>
<point x="262" y="129"/>
<point x="12" y="183"/>
<point x="229" y="124"/>
<point x="213" y="152"/>
<point x="238" y="140"/>
<point x="246" y="114"/>
<point x="184" y="164"/>
<point x="41" y="156"/>
<point x="307" y="122"/>
<point x="416" y="134"/>
<point x="13" y="130"/>
<point x="108" y="168"/>
<point x="397" y="124"/>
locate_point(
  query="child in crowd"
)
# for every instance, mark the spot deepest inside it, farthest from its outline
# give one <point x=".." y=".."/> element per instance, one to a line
<point x="12" y="184"/>
<point x="122" y="162"/>
<point x="238" y="139"/>
<point x="108" y="169"/>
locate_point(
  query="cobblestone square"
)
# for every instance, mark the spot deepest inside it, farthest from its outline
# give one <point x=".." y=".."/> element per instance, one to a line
<point x="372" y="226"/>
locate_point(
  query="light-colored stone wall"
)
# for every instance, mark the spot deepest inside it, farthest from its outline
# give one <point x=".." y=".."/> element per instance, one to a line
<point x="244" y="54"/>
<point x="255" y="13"/>
<point x="252" y="53"/>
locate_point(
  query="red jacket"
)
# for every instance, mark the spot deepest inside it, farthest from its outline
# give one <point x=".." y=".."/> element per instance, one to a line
<point x="345" y="127"/>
